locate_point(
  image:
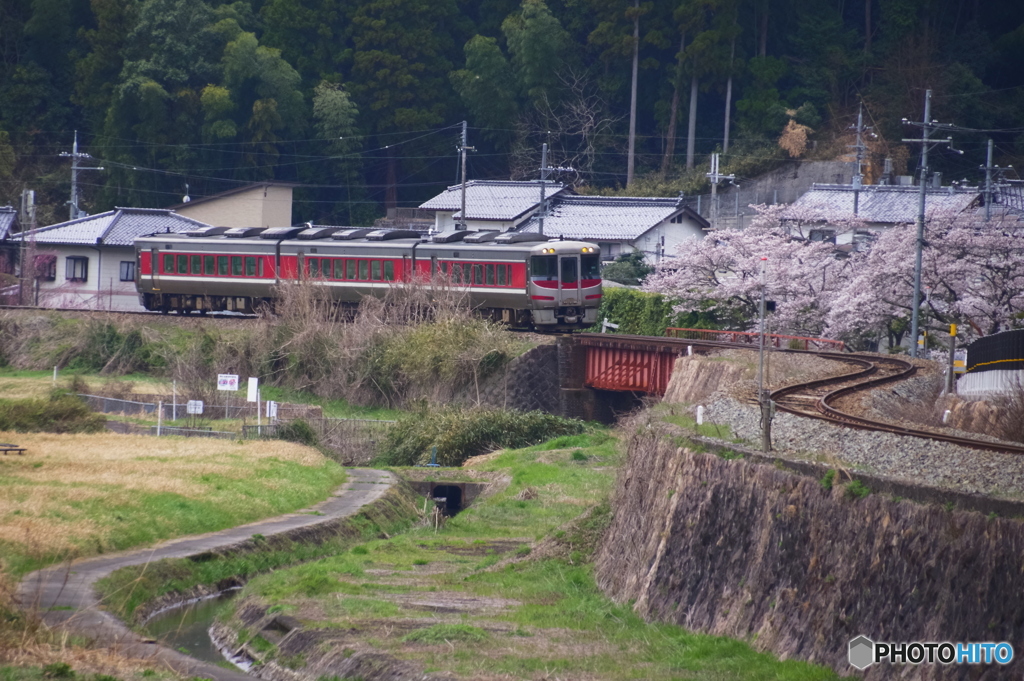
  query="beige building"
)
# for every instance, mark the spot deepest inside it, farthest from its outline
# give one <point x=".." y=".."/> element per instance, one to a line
<point x="268" y="204"/>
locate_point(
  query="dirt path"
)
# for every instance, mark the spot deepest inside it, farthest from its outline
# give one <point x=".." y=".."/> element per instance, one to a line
<point x="66" y="599"/>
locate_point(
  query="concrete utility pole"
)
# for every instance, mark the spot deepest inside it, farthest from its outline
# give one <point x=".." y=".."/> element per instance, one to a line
<point x="632" y="96"/>
<point x="989" y="190"/>
<point x="715" y="178"/>
<point x="927" y="125"/>
<point x="544" y="170"/>
<point x="861" y="148"/>
<point x="462" y="150"/>
<point x="762" y="394"/>
<point x="75" y="155"/>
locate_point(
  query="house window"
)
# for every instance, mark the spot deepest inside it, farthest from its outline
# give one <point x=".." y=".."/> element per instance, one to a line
<point x="828" y="235"/>
<point x="127" y="270"/>
<point x="46" y="267"/>
<point x="77" y="268"/>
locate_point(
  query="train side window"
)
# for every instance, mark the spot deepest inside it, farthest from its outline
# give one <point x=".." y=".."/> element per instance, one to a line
<point x="236" y="265"/>
<point x="389" y="270"/>
<point x="490" y="275"/>
<point x="467" y="273"/>
<point x="478" y="274"/>
<point x="314" y="268"/>
<point x="350" y="269"/>
<point x="222" y="265"/>
<point x="250" y="266"/>
<point x="259" y="267"/>
<point x="209" y="265"/>
<point x="168" y="263"/>
<point x="544" y="268"/>
<point x="196" y="264"/>
<point x="375" y="270"/>
<point x="364" y="270"/>
<point x="182" y="264"/>
<point x="456" y="273"/>
<point x="502" y="275"/>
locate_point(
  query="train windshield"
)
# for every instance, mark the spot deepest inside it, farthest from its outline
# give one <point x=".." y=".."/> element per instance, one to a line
<point x="591" y="265"/>
<point x="544" y="268"/>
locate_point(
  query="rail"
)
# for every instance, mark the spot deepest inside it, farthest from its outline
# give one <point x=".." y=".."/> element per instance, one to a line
<point x="751" y="338"/>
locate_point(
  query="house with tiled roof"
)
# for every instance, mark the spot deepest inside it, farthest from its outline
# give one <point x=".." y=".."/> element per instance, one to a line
<point x="89" y="263"/>
<point x="490" y="204"/>
<point x="879" y="207"/>
<point x="620" y="224"/>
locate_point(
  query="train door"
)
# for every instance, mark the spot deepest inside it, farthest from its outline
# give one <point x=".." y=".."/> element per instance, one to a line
<point x="569" y="280"/>
<point x="154" y="268"/>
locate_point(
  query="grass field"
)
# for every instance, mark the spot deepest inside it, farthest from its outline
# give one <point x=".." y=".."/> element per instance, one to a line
<point x="504" y="590"/>
<point x="80" y="495"/>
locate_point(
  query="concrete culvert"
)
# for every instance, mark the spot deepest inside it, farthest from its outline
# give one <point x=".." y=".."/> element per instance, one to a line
<point x="452" y="495"/>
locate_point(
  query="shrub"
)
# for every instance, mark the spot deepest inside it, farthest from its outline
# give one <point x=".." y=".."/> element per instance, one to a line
<point x="857" y="490"/>
<point x="299" y="431"/>
<point x="646" y="314"/>
<point x="60" y="413"/>
<point x="829" y="479"/>
<point x="461" y="433"/>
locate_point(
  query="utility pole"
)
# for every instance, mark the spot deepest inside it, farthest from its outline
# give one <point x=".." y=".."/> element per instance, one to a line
<point x="762" y="394"/>
<point x="462" y="150"/>
<point x="927" y="125"/>
<point x="715" y="178"/>
<point x="544" y="170"/>
<point x="28" y="222"/>
<point x="861" y="147"/>
<point x="75" y="155"/>
<point x="632" y="97"/>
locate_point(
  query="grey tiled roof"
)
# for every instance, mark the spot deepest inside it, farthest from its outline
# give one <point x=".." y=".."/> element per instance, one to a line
<point x="8" y="216"/>
<point x="614" y="218"/>
<point x="883" y="203"/>
<point x="118" y="227"/>
<point x="493" y="200"/>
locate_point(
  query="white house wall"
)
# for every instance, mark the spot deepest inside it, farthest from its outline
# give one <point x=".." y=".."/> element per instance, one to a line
<point x="652" y="245"/>
<point x="102" y="289"/>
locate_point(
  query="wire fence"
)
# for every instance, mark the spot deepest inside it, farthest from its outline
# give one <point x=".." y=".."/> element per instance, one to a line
<point x="353" y="441"/>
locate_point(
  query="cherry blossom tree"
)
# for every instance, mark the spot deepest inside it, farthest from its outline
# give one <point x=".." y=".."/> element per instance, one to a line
<point x="721" y="273"/>
<point x="972" y="274"/>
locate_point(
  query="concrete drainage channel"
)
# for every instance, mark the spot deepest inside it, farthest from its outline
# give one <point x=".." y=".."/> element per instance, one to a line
<point x="65" y="598"/>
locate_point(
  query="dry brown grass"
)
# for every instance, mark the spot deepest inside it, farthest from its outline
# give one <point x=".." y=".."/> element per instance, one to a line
<point x="42" y="503"/>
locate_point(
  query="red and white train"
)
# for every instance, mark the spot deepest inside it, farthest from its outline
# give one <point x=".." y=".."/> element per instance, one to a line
<point x="524" y="280"/>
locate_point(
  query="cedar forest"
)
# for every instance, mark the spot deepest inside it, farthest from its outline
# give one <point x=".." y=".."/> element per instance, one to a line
<point x="360" y="103"/>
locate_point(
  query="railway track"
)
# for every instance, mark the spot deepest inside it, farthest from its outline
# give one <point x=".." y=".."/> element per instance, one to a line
<point x="818" y="399"/>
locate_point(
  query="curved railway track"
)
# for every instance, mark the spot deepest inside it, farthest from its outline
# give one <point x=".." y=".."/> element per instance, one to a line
<point x="818" y="398"/>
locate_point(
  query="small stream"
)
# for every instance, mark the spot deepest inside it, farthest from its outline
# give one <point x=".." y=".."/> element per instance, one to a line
<point x="185" y="628"/>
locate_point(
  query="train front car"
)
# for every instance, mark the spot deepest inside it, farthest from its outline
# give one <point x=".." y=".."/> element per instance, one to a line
<point x="564" y="285"/>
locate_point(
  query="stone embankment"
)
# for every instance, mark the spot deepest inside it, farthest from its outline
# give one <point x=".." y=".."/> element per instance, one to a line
<point x="746" y="550"/>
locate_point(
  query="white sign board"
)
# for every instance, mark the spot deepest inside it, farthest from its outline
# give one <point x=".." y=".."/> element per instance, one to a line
<point x="271" y="409"/>
<point x="960" y="361"/>
<point x="194" y="407"/>
<point x="254" y="390"/>
<point x="227" y="382"/>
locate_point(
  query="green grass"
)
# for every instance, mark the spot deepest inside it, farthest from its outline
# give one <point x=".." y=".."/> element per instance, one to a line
<point x="126" y="589"/>
<point x="558" y="622"/>
<point x="341" y="409"/>
<point x="59" y="670"/>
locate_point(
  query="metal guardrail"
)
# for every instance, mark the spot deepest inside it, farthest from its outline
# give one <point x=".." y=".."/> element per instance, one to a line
<point x="752" y="338"/>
